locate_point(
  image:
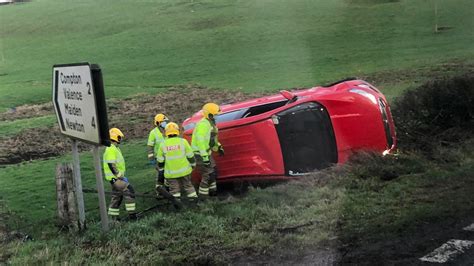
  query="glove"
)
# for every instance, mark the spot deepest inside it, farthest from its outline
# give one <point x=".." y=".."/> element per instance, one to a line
<point x="151" y="159"/>
<point x="221" y="151"/>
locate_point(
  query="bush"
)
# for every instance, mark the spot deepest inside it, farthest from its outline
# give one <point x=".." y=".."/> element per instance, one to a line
<point x="438" y="113"/>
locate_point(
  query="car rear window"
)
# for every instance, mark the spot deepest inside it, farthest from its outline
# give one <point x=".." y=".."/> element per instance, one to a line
<point x="243" y="113"/>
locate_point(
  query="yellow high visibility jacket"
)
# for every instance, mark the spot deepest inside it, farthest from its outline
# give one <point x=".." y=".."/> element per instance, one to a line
<point x="174" y="152"/>
<point x="155" y="138"/>
<point x="113" y="155"/>
<point x="204" y="139"/>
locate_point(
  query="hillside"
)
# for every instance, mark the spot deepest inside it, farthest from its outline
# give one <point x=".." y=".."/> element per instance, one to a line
<point x="145" y="46"/>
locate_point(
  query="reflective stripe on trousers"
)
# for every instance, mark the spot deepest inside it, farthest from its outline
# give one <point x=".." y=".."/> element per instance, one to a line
<point x="213" y="186"/>
<point x="130" y="206"/>
<point x="203" y="190"/>
<point x="114" y="212"/>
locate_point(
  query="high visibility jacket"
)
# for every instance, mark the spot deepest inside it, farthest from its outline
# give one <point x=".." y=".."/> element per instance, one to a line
<point x="204" y="138"/>
<point x="174" y="153"/>
<point x="155" y="138"/>
<point x="114" y="156"/>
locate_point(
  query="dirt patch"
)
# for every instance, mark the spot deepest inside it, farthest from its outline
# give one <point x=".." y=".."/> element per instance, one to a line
<point x="32" y="144"/>
<point x="133" y="115"/>
<point x="316" y="256"/>
<point x="27" y="111"/>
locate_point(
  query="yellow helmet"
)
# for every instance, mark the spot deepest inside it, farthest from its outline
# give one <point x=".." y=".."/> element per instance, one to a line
<point x="210" y="109"/>
<point x="160" y="118"/>
<point x="171" y="129"/>
<point x="116" y="135"/>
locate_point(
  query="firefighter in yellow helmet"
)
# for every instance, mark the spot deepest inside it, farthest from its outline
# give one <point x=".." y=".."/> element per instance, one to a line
<point x="155" y="138"/>
<point x="204" y="142"/>
<point x="114" y="171"/>
<point x="176" y="162"/>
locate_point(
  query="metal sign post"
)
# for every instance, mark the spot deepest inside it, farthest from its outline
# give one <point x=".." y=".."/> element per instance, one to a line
<point x="100" y="189"/>
<point x="79" y="102"/>
<point x="78" y="185"/>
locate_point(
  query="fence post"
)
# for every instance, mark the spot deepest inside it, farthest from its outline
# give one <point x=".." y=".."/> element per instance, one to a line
<point x="67" y="211"/>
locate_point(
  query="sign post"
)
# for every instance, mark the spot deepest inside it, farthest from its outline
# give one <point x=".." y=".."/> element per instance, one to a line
<point x="100" y="189"/>
<point x="78" y="185"/>
<point x="79" y="102"/>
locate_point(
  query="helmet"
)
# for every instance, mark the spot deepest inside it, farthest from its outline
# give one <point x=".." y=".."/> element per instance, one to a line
<point x="210" y="109"/>
<point x="115" y="134"/>
<point x="171" y="129"/>
<point x="160" y="118"/>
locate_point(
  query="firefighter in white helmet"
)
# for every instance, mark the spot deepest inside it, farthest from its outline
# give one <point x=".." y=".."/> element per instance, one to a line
<point x="155" y="138"/>
<point x="114" y="171"/>
<point x="204" y="142"/>
<point x="176" y="162"/>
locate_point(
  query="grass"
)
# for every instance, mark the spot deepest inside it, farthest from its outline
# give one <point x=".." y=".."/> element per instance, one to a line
<point x="145" y="46"/>
<point x="234" y="224"/>
<point x="13" y="127"/>
<point x="351" y="202"/>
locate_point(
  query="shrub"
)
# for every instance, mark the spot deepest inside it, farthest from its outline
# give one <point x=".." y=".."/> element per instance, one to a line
<point x="438" y="113"/>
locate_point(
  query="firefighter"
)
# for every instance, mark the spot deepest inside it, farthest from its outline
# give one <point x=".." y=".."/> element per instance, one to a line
<point x="204" y="142"/>
<point x="155" y="138"/>
<point x="114" y="170"/>
<point x="176" y="162"/>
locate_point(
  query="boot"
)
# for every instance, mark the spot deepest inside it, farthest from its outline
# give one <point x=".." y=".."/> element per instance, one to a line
<point x="132" y="217"/>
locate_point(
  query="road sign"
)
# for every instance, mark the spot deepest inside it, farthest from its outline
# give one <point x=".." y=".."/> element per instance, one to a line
<point x="79" y="102"/>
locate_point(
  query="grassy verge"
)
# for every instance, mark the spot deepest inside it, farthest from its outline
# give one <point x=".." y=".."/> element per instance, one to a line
<point x="350" y="204"/>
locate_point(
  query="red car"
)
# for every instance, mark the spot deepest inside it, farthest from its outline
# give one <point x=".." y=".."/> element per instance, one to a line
<point x="293" y="133"/>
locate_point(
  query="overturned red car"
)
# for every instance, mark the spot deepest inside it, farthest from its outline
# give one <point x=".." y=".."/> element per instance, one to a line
<point x="293" y="133"/>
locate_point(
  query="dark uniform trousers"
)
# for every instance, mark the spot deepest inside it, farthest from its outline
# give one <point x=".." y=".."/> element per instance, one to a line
<point x="182" y="183"/>
<point x="208" y="174"/>
<point x="122" y="190"/>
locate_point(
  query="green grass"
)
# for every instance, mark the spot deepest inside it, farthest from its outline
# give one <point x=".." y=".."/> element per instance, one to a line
<point x="249" y="223"/>
<point x="347" y="204"/>
<point x="143" y="46"/>
<point x="10" y="128"/>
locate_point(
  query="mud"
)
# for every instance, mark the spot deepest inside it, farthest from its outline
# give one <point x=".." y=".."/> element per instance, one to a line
<point x="317" y="256"/>
<point x="27" y="111"/>
<point x="407" y="247"/>
<point x="133" y="115"/>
